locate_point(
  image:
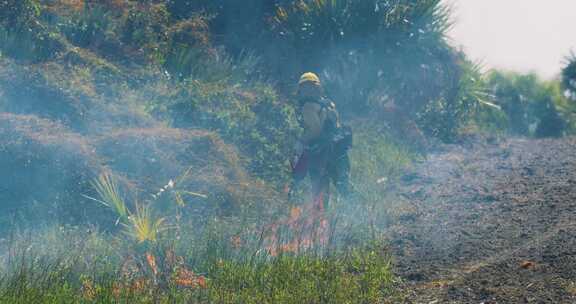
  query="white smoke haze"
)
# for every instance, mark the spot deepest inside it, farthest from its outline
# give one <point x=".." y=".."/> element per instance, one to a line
<point x="518" y="35"/>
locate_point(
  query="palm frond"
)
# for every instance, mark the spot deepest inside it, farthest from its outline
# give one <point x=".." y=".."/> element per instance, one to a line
<point x="107" y="188"/>
<point x="143" y="226"/>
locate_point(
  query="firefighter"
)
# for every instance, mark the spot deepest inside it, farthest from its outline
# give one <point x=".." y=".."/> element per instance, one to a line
<point x="323" y="152"/>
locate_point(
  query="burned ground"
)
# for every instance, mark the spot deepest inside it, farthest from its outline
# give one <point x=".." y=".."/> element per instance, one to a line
<point x="492" y="223"/>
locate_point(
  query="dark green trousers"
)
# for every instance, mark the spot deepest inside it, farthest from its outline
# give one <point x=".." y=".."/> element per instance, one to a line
<point x="325" y="168"/>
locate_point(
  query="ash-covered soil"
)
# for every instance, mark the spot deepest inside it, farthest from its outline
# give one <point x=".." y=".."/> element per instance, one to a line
<point x="493" y="222"/>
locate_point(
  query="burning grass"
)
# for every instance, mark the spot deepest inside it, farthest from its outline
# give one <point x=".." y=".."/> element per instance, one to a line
<point x="163" y="256"/>
<point x="90" y="267"/>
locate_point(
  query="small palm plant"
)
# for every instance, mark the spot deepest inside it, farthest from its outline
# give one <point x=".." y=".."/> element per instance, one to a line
<point x="142" y="226"/>
<point x="107" y="188"/>
<point x="151" y="266"/>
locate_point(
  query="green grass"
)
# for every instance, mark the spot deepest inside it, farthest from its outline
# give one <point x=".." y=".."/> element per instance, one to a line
<point x="377" y="158"/>
<point x="82" y="267"/>
<point x="361" y="276"/>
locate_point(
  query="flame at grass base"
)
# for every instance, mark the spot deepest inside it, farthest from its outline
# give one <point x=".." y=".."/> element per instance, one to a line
<point x="306" y="227"/>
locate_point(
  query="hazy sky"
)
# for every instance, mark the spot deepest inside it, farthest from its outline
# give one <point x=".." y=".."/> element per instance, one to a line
<point x="519" y="35"/>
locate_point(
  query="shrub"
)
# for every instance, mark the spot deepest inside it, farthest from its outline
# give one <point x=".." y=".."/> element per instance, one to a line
<point x="145" y="28"/>
<point x="252" y="117"/>
<point x="190" y="54"/>
<point x="23" y="36"/>
<point x="533" y="107"/>
<point x="558" y="112"/>
<point x="380" y="55"/>
<point x="444" y="118"/>
<point x="569" y="76"/>
<point x="550" y="123"/>
<point x="21" y="15"/>
<point x="368" y="49"/>
<point x="237" y="26"/>
<point x="89" y="26"/>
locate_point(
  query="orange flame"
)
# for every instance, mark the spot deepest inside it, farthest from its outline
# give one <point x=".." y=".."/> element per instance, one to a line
<point x="187" y="278"/>
<point x="236" y="242"/>
<point x="76" y="5"/>
<point x="116" y="290"/>
<point x="151" y="259"/>
<point x="307" y="225"/>
<point x="139" y="285"/>
<point x="88" y="290"/>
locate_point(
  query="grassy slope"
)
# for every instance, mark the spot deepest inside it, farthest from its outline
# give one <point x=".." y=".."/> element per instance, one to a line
<point x="106" y="93"/>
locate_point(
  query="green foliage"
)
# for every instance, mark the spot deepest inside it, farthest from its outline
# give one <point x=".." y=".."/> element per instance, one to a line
<point x="360" y="276"/>
<point x="90" y="26"/>
<point x="107" y="188"/>
<point x="142" y="226"/>
<point x="145" y="30"/>
<point x="190" y="53"/>
<point x="248" y="19"/>
<point x="188" y="62"/>
<point x="20" y="15"/>
<point x="514" y="93"/>
<point x="445" y="117"/>
<point x="369" y="52"/>
<point x="85" y="273"/>
<point x="22" y="36"/>
<point x="558" y="114"/>
<point x="569" y="75"/>
<point x="489" y="120"/>
<point x="533" y="107"/>
<point x="252" y="117"/>
<point x="376" y="158"/>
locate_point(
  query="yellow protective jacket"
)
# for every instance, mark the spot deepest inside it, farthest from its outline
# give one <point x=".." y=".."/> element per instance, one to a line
<point x="318" y="118"/>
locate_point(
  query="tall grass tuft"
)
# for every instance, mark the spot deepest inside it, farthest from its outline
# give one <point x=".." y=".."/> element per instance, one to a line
<point x="107" y="188"/>
<point x="142" y="226"/>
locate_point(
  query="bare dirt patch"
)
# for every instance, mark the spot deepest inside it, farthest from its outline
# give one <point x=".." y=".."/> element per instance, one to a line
<point x="494" y="223"/>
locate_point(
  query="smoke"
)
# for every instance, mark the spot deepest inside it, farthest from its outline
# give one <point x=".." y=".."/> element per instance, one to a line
<point x="93" y="110"/>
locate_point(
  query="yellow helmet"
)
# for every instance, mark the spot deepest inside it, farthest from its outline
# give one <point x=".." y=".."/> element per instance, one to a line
<point x="309" y="77"/>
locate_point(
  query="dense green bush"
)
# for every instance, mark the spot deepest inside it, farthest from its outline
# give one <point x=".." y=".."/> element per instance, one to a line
<point x="22" y="35"/>
<point x="376" y="55"/>
<point x="236" y="25"/>
<point x="20" y="14"/>
<point x="569" y="76"/>
<point x="368" y="50"/>
<point x="89" y="27"/>
<point x="145" y="30"/>
<point x="533" y="107"/>
<point x="253" y="117"/>
<point x="190" y="52"/>
<point x="444" y="118"/>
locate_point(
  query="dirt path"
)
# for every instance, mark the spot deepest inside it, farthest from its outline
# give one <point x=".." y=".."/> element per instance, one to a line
<point x="494" y="223"/>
